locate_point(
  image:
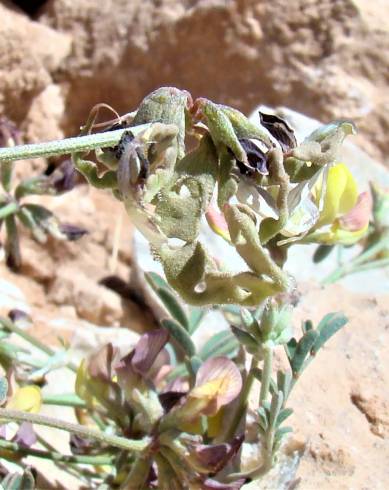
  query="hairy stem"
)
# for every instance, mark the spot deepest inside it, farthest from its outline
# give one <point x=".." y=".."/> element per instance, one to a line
<point x="266" y="374"/>
<point x="116" y="441"/>
<point x="66" y="146"/>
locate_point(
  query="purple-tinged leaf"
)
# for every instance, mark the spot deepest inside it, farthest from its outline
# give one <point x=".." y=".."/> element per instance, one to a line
<point x="63" y="179"/>
<point x="100" y="363"/>
<point x="147" y="350"/>
<point x="25" y="436"/>
<point x="214" y="458"/>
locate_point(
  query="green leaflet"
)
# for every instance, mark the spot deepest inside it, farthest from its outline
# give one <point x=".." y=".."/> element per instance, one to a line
<point x="173" y="306"/>
<point x="180" y="335"/>
<point x="328" y="327"/>
<point x="220" y="344"/>
<point x="302" y="350"/>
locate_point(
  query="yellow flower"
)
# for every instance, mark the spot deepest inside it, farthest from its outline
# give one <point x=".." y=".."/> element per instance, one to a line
<point x="27" y="399"/>
<point x="344" y="215"/>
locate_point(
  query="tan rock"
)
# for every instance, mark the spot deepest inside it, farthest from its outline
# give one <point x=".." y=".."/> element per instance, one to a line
<point x="92" y="302"/>
<point x="326" y="59"/>
<point x="29" y="52"/>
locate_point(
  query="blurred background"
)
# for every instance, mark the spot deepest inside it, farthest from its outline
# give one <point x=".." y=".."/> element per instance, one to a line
<point x="328" y="59"/>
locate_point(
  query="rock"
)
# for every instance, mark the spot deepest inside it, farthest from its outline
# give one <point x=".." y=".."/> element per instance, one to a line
<point x="327" y="60"/>
<point x="92" y="302"/>
<point x="341" y="399"/>
<point x="30" y="53"/>
<point x="43" y="120"/>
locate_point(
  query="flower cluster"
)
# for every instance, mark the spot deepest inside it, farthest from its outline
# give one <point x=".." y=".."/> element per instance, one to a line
<point x="256" y="185"/>
<point x="172" y="417"/>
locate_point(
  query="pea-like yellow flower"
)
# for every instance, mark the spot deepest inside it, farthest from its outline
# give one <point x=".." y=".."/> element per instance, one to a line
<point x="27" y="399"/>
<point x="344" y="215"/>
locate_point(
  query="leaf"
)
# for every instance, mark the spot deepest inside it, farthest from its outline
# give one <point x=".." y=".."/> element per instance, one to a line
<point x="307" y="325"/>
<point x="156" y="281"/>
<point x="26" y="399"/>
<point x="147" y="350"/>
<point x="328" y="327"/>
<point x="283" y="415"/>
<point x="12" y="245"/>
<point x="25" y="436"/>
<point x="17" y="481"/>
<point x="280" y="433"/>
<point x="290" y="349"/>
<point x="322" y="252"/>
<point x="302" y="350"/>
<point x="263" y="419"/>
<point x="222" y="343"/>
<point x="58" y="360"/>
<point x="247" y="318"/>
<point x="195" y="317"/>
<point x="231" y="313"/>
<point x="245" y="339"/>
<point x="3" y="389"/>
<point x="181" y="336"/>
<point x="284" y="380"/>
<point x="173" y="307"/>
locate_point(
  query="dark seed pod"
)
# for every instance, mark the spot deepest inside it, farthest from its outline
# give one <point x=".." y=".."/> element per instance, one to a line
<point x="280" y="129"/>
<point x="256" y="157"/>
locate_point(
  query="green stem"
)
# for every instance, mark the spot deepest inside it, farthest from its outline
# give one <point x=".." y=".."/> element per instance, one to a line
<point x="65" y="400"/>
<point x="116" y="441"/>
<point x="8" y="209"/>
<point x="266" y="374"/>
<point x="32" y="340"/>
<point x="67" y="146"/>
<point x="76" y="471"/>
<point x="26" y="336"/>
<point x="243" y="401"/>
<point x="360" y="260"/>
<point x="376" y="264"/>
<point x="55" y="456"/>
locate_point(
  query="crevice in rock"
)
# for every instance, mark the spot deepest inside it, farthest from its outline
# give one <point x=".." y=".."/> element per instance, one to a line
<point x="31" y="7"/>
